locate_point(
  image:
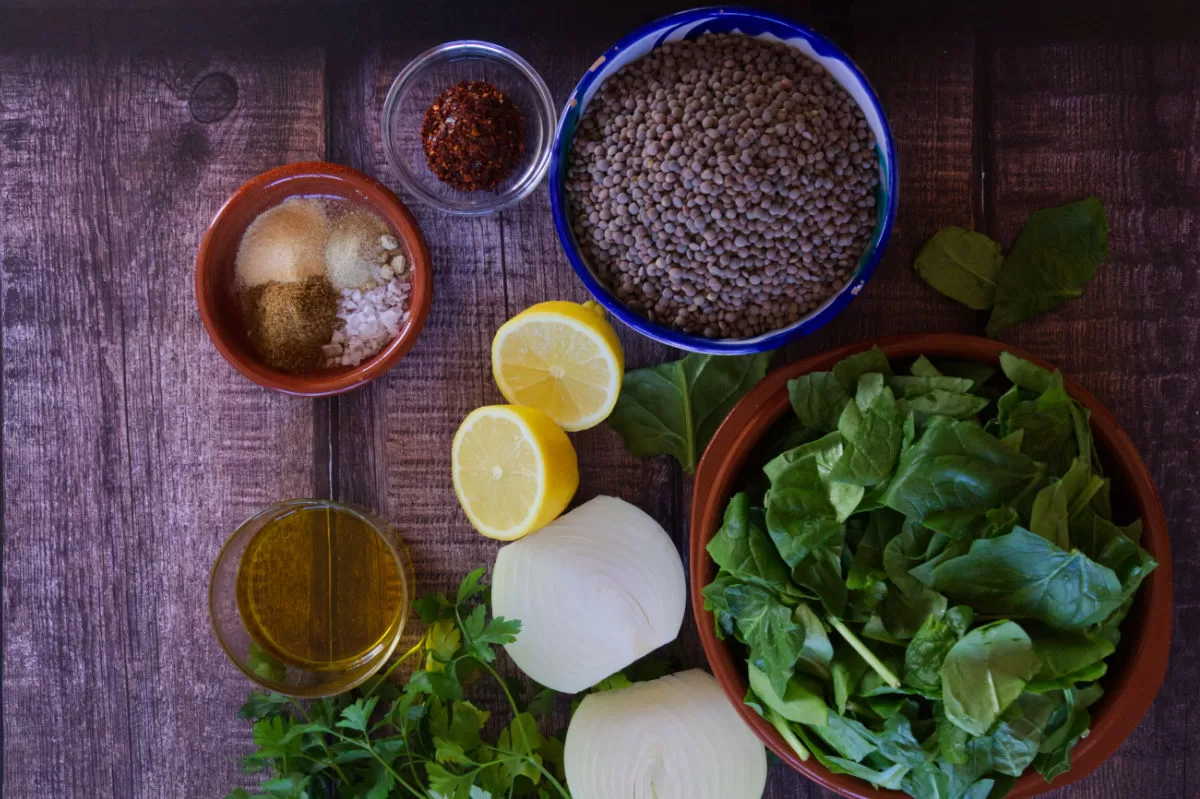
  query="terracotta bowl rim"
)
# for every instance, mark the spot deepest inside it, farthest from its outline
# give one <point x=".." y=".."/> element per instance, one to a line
<point x="383" y="201"/>
<point x="1129" y="692"/>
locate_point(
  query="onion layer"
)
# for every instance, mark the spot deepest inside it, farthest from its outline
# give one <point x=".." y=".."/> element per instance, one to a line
<point x="677" y="737"/>
<point x="594" y="591"/>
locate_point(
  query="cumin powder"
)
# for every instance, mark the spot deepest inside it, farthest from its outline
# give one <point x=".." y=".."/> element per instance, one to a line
<point x="290" y="322"/>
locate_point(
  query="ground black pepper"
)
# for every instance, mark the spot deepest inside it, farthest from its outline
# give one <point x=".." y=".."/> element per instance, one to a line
<point x="473" y="136"/>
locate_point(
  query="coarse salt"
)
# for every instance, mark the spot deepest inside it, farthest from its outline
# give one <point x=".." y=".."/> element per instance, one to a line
<point x="369" y="319"/>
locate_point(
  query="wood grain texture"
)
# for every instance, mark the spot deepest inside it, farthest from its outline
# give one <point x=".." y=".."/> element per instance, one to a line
<point x="1121" y="119"/>
<point x="131" y="449"/>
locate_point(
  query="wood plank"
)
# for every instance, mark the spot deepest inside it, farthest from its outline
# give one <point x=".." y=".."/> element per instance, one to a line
<point x="394" y="435"/>
<point x="1120" y="117"/>
<point x="131" y="448"/>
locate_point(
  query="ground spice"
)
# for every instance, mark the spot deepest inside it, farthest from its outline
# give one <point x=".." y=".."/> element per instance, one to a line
<point x="473" y="136"/>
<point x="289" y="323"/>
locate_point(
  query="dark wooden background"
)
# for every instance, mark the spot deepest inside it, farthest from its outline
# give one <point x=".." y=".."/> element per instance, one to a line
<point x="131" y="449"/>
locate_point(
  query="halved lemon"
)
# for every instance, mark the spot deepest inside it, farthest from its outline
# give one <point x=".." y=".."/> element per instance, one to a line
<point x="514" y="470"/>
<point x="562" y="358"/>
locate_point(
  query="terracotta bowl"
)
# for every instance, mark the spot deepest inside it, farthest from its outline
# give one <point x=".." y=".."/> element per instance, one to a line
<point x="1136" y="670"/>
<point x="220" y="308"/>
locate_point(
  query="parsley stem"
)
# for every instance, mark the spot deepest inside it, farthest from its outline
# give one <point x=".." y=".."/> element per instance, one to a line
<point x="558" y="786"/>
<point x="867" y="655"/>
<point x="366" y="744"/>
<point x="417" y="647"/>
<point x="524" y="742"/>
<point x="504" y="687"/>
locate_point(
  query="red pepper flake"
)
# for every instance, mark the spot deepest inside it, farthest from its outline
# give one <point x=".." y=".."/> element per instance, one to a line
<point x="473" y="136"/>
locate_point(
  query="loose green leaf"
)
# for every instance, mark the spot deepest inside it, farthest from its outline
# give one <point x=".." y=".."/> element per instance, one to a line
<point x="849" y="370"/>
<point x="1024" y="576"/>
<point x="801" y="701"/>
<point x="1055" y="255"/>
<point x="872" y="428"/>
<point x="1112" y="547"/>
<point x="743" y="549"/>
<point x="849" y="738"/>
<point x="866" y="567"/>
<point x="1067" y="658"/>
<point x="984" y="673"/>
<point x="820" y="574"/>
<point x="675" y="408"/>
<point x="1050" y="516"/>
<point x="816" y="656"/>
<point x="818" y="400"/>
<point x="954" y="473"/>
<point x="927" y="650"/>
<point x="804" y="507"/>
<point x="766" y="625"/>
<point x="963" y="265"/>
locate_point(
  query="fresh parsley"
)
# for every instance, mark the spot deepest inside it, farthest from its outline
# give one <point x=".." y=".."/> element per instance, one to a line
<point x="420" y="738"/>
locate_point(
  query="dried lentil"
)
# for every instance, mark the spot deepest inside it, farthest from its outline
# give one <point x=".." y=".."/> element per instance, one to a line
<point x="723" y="186"/>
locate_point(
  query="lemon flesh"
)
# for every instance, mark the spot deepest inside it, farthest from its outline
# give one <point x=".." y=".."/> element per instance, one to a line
<point x="514" y="470"/>
<point x="562" y="358"/>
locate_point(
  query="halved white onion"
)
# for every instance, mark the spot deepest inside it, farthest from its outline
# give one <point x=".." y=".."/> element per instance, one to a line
<point x="594" y="591"/>
<point x="677" y="737"/>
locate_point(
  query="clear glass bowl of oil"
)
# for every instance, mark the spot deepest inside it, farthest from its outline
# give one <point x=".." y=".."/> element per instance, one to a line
<point x="310" y="597"/>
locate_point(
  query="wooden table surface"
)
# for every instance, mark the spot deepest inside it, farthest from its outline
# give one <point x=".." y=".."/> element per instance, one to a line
<point x="131" y="449"/>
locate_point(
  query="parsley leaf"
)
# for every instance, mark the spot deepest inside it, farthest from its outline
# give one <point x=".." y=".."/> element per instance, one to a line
<point x="430" y="742"/>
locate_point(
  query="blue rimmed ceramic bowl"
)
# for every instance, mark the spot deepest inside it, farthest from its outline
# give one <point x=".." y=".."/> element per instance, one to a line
<point x="759" y="25"/>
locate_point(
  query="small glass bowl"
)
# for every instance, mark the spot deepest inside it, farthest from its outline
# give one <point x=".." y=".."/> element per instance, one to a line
<point x="430" y="74"/>
<point x="251" y="656"/>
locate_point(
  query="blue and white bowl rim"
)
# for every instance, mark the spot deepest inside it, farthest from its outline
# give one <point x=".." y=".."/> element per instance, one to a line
<point x="759" y="24"/>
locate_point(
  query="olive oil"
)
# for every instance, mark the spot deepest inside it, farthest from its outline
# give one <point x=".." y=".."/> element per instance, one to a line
<point x="323" y="597"/>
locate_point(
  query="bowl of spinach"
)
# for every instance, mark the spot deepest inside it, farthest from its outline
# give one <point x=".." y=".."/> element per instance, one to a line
<point x="933" y="566"/>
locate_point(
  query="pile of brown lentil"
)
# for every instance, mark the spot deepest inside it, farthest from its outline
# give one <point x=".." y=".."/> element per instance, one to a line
<point x="723" y="186"/>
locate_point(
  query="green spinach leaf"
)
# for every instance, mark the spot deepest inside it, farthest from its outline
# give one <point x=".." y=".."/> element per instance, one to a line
<point x="675" y="407"/>
<point x="801" y="701"/>
<point x="984" y="673"/>
<point x="743" y="549"/>
<point x="821" y="573"/>
<point x="1110" y="546"/>
<point x="927" y="650"/>
<point x="818" y="399"/>
<point x="849" y="370"/>
<point x="1055" y="255"/>
<point x="954" y="473"/>
<point x="767" y="627"/>
<point x="1022" y="575"/>
<point x="1066" y="658"/>
<point x="883" y="524"/>
<point x="872" y="428"/>
<point x="1050" y="516"/>
<point x="804" y="508"/>
<point x="963" y="265"/>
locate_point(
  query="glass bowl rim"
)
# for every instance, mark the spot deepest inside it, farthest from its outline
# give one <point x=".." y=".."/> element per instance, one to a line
<point x="481" y="50"/>
<point x="377" y="524"/>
